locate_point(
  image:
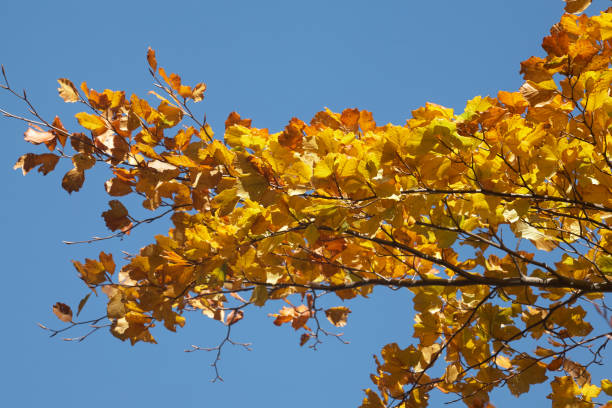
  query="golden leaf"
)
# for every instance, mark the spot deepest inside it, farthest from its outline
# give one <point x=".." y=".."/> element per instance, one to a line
<point x="198" y="92"/>
<point x="67" y="91"/>
<point x="91" y="122"/>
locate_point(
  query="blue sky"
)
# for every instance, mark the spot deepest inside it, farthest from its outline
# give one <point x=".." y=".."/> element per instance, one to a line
<point x="270" y="61"/>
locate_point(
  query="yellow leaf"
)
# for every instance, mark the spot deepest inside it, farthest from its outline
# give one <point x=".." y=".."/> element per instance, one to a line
<point x="503" y="362"/>
<point x="606" y="386"/>
<point x="326" y="167"/>
<point x="180" y="161"/>
<point x="590" y="391"/>
<point x="605" y="25"/>
<point x="91" y="122"/>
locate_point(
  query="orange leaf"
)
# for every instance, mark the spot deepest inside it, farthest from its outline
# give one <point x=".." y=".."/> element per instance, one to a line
<point x="63" y="312"/>
<point x="514" y="100"/>
<point x="350" y="119"/>
<point x="151" y="59"/>
<point x="366" y="121"/>
<point x="234" y="119"/>
<point x="293" y="134"/>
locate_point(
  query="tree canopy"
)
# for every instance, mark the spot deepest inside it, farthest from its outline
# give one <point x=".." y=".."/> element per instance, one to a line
<point x="497" y="220"/>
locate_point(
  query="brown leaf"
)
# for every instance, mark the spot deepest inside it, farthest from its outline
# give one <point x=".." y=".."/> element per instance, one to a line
<point x="59" y="130"/>
<point x="116" y="308"/>
<point x="73" y="180"/>
<point x="63" y="312"/>
<point x="107" y="261"/>
<point x="82" y="303"/>
<point x="83" y="161"/>
<point x="27" y="162"/>
<point x="117" y="217"/>
<point x="81" y="143"/>
<point x="577" y="372"/>
<point x="576" y="6"/>
<point x="151" y="59"/>
<point x="337" y="315"/>
<point x="234" y="317"/>
<point x="555" y="364"/>
<point x="117" y="187"/>
<point x="38" y="136"/>
<point x="304" y="338"/>
<point x="67" y="90"/>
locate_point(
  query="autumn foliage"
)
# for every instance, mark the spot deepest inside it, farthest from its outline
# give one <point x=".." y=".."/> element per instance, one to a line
<point x="497" y="219"/>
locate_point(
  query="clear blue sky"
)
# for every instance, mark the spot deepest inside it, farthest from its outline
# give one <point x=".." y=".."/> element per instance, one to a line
<point x="270" y="61"/>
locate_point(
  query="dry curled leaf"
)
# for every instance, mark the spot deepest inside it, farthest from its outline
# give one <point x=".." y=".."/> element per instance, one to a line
<point x="38" y="136"/>
<point x="63" y="312"/>
<point x="234" y="317"/>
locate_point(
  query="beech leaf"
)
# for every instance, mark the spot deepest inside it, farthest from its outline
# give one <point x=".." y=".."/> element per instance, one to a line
<point x="63" y="312"/>
<point x="37" y="137"/>
<point x="67" y="90"/>
<point x="338" y="315"/>
<point x="73" y="180"/>
<point x="234" y="317"/>
<point x="82" y="303"/>
<point x="151" y="59"/>
<point x="576" y="6"/>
